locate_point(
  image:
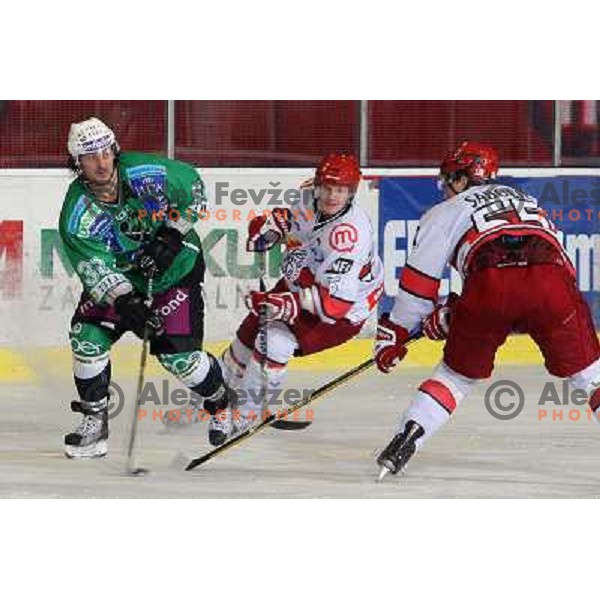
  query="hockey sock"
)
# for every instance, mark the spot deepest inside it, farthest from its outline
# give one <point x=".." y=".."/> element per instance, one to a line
<point x="261" y="388"/>
<point x="234" y="362"/>
<point x="436" y="400"/>
<point x="92" y="379"/>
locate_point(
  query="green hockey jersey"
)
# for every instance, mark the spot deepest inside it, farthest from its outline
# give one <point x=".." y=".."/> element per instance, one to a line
<point x="102" y="239"/>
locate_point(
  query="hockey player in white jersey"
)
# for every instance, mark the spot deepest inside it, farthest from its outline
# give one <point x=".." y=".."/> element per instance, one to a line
<point x="516" y="277"/>
<point x="331" y="281"/>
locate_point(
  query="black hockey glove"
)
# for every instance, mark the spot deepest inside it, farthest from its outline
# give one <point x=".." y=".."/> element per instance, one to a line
<point x="158" y="255"/>
<point x="136" y="316"/>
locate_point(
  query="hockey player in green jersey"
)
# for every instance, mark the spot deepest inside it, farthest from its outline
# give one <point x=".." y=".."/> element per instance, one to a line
<point x="127" y="220"/>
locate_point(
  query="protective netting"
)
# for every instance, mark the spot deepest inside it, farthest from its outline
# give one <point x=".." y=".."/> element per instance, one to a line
<point x="280" y="133"/>
<point x="264" y="133"/>
<point x="580" y="132"/>
<point x="34" y="133"/>
<point x="420" y="133"/>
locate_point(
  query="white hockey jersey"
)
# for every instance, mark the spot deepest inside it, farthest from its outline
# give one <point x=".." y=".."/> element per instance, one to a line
<point x="452" y="232"/>
<point x="333" y="263"/>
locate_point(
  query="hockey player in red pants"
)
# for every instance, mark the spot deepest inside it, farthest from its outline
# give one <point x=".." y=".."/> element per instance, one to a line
<point x="331" y="281"/>
<point x="516" y="277"/>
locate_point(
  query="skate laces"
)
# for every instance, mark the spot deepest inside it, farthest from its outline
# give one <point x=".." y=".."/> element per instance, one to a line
<point x="89" y="425"/>
<point x="222" y="421"/>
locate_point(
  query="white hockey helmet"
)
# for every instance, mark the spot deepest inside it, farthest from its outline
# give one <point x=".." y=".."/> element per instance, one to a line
<point x="89" y="136"/>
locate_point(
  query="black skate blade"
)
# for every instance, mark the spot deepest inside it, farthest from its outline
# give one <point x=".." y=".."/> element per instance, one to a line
<point x="290" y="425"/>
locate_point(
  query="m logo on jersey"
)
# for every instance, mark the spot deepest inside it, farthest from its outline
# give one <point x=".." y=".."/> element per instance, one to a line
<point x="343" y="237"/>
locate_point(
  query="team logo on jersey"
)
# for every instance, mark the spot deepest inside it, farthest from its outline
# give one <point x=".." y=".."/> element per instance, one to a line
<point x="343" y="237"/>
<point x="341" y="266"/>
<point x="149" y="184"/>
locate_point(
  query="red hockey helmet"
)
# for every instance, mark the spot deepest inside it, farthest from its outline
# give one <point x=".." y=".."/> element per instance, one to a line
<point x="478" y="162"/>
<point x="338" y="169"/>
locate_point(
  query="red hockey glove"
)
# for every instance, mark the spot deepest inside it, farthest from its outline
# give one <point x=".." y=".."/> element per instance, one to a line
<point x="437" y="324"/>
<point x="390" y="346"/>
<point x="266" y="232"/>
<point x="283" y="306"/>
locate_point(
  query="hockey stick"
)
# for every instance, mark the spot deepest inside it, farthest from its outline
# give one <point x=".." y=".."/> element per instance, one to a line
<point x="273" y="417"/>
<point x="263" y="328"/>
<point x="130" y="468"/>
<point x="263" y="345"/>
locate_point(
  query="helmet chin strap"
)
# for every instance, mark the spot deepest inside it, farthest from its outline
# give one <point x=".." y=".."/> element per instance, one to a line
<point x="108" y="189"/>
<point x="454" y="190"/>
<point x="449" y="183"/>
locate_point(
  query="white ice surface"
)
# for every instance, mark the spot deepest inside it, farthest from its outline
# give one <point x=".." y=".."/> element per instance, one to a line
<point x="475" y="455"/>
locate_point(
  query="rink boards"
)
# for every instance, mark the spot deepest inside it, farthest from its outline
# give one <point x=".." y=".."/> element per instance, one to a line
<point x="38" y="290"/>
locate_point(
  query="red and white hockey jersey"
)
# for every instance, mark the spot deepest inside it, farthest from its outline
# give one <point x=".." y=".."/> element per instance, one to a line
<point x="333" y="264"/>
<point x="452" y="232"/>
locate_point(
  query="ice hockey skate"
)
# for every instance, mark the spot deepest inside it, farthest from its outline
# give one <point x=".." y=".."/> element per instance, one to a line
<point x="221" y="427"/>
<point x="400" y="450"/>
<point x="90" y="438"/>
<point x="229" y="423"/>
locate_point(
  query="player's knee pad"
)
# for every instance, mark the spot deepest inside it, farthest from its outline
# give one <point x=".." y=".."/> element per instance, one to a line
<point x="281" y="345"/>
<point x="446" y="388"/>
<point x="260" y="367"/>
<point x="201" y="372"/>
<point x="235" y="359"/>
<point x="89" y="342"/>
<point x="190" y="368"/>
<point x="436" y="400"/>
<point x="457" y="386"/>
<point x="213" y="380"/>
<point x="589" y="380"/>
<point x="92" y="380"/>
